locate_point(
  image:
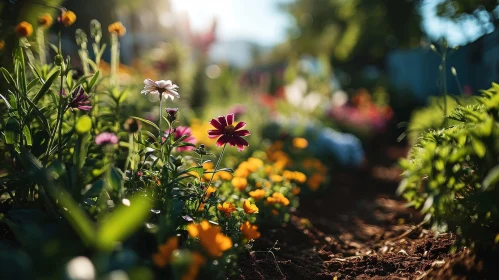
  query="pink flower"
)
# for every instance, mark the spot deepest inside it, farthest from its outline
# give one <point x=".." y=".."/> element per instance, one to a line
<point x="229" y="133"/>
<point x="106" y="138"/>
<point x="181" y="131"/>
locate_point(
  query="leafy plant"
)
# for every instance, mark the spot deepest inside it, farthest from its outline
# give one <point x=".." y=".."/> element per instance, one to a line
<point x="451" y="174"/>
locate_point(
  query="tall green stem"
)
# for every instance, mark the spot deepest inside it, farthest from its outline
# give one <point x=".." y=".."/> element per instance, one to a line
<point x="60" y="109"/>
<point x="218" y="163"/>
<point x="160" y="113"/>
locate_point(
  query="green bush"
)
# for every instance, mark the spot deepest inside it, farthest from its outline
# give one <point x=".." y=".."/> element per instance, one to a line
<point x="452" y="174"/>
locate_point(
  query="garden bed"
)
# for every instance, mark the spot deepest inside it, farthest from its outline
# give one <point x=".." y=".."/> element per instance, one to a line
<point x="359" y="231"/>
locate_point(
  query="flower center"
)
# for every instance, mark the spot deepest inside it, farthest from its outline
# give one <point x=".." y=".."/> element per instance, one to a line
<point x="229" y="129"/>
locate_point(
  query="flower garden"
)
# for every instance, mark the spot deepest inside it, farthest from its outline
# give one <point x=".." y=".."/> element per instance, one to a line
<point x="173" y="167"/>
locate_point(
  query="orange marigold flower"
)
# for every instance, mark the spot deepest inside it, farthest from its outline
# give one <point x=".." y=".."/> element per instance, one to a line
<point x="300" y="143"/>
<point x="197" y="260"/>
<point x="315" y="181"/>
<point x="296" y="190"/>
<point x="210" y="237"/>
<point x="249" y="208"/>
<point x="164" y="254"/>
<point x="201" y="206"/>
<point x="68" y="18"/>
<point x="249" y="231"/>
<point x="239" y="183"/>
<point x="45" y="20"/>
<point x="227" y="208"/>
<point x="275" y="178"/>
<point x="226" y="176"/>
<point x="209" y="191"/>
<point x="24" y="29"/>
<point x="257" y="194"/>
<point x="300" y="177"/>
<point x="117" y="28"/>
<point x="278" y="198"/>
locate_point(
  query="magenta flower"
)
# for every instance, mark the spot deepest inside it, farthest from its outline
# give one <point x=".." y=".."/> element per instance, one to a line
<point x="106" y="138"/>
<point x="78" y="100"/>
<point x="229" y="133"/>
<point x="181" y="131"/>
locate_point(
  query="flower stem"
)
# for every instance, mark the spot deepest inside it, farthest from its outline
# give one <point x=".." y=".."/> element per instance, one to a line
<point x="218" y="163"/>
<point x="160" y="114"/>
<point x="60" y="109"/>
<point x="130" y="152"/>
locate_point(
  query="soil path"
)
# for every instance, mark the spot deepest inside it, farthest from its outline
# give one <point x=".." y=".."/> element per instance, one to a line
<point x="358" y="230"/>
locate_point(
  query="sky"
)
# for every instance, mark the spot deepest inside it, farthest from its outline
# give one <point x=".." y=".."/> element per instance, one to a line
<point x="262" y="22"/>
<point x="259" y="21"/>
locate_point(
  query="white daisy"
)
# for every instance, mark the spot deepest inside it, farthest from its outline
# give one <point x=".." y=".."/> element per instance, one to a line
<point x="167" y="88"/>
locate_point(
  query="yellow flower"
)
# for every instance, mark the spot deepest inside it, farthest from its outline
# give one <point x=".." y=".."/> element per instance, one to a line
<point x="197" y="261"/>
<point x="227" y="208"/>
<point x="275" y="178"/>
<point x="296" y="190"/>
<point x="68" y="18"/>
<point x="249" y="208"/>
<point x="278" y="198"/>
<point x="254" y="163"/>
<point x="2" y="45"/>
<point x="117" y="28"/>
<point x="164" y="254"/>
<point x="210" y="237"/>
<point x="268" y="169"/>
<point x="257" y="194"/>
<point x="300" y="177"/>
<point x="24" y="29"/>
<point x="239" y="183"/>
<point x="226" y="176"/>
<point x="249" y="231"/>
<point x="209" y="191"/>
<point x="45" y="20"/>
<point x="300" y="143"/>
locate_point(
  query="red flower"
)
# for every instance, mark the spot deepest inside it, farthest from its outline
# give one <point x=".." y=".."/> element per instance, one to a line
<point x="228" y="133"/>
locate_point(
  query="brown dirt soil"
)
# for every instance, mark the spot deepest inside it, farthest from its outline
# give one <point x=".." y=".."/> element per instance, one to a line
<point x="358" y="230"/>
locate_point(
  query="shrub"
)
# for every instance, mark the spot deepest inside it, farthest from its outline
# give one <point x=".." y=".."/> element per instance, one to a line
<point x="452" y="174"/>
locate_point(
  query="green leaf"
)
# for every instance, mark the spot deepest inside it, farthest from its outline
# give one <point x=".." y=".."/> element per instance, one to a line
<point x="147" y="122"/>
<point x="479" y="147"/>
<point x="491" y="178"/>
<point x="8" y="78"/>
<point x="46" y="86"/>
<point x="123" y="222"/>
<point x="73" y="214"/>
<point x="12" y="129"/>
<point x="27" y="135"/>
<point x="94" y="190"/>
<point x="114" y="179"/>
<point x="93" y="81"/>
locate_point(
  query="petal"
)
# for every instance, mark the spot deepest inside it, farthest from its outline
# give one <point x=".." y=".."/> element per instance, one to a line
<point x="230" y="119"/>
<point x="173" y="93"/>
<point x="222" y="121"/>
<point x="240" y="143"/>
<point x="164" y="83"/>
<point x="222" y="140"/>
<point x="216" y="124"/>
<point x="150" y="83"/>
<point x="214" y="133"/>
<point x="243" y="132"/>
<point x="239" y="125"/>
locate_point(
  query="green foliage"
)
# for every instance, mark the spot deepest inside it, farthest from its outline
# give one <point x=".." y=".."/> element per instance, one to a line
<point x="451" y="173"/>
